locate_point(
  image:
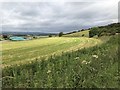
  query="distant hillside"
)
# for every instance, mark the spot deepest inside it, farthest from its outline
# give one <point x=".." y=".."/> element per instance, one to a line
<point x="78" y="34"/>
<point x="107" y="30"/>
<point x="27" y="33"/>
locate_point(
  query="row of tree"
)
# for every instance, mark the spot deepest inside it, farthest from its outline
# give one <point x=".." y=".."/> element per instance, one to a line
<point x="111" y="29"/>
<point x="60" y="34"/>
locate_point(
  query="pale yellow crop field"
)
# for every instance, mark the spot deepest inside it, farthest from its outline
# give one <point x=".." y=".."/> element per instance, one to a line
<point x="14" y="52"/>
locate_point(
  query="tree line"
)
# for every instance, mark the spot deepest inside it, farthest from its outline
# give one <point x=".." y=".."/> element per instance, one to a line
<point x="108" y="30"/>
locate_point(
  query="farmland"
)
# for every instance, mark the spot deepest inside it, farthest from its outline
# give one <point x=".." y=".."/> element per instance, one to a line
<point x="78" y="34"/>
<point x="26" y="51"/>
<point x="63" y="62"/>
<point x="94" y="67"/>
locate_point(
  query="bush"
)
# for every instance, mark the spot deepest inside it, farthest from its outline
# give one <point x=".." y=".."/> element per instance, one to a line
<point x="111" y="29"/>
<point x="34" y="37"/>
<point x="83" y="35"/>
<point x="113" y="33"/>
<point x="60" y="34"/>
<point x="5" y="37"/>
<point x="50" y="35"/>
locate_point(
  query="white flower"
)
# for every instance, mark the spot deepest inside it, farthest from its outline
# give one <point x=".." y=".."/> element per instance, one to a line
<point x="95" y="56"/>
<point x="89" y="62"/>
<point x="84" y="62"/>
<point x="49" y="71"/>
<point x="77" y="58"/>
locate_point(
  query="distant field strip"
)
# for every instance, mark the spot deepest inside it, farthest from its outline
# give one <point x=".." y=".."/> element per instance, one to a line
<point x="25" y="51"/>
<point x="78" y="34"/>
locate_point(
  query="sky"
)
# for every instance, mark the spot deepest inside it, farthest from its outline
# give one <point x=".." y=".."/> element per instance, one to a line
<point x="57" y="16"/>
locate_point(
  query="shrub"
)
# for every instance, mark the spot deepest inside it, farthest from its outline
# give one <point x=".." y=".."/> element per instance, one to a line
<point x="50" y="35"/>
<point x="60" y="34"/>
<point x="5" y="37"/>
<point x="83" y="35"/>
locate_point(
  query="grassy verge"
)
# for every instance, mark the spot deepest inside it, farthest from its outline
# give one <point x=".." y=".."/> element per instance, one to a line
<point x="95" y="67"/>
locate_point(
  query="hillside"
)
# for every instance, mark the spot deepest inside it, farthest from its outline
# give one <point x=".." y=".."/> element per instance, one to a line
<point x="107" y="30"/>
<point x="67" y="62"/>
<point x="95" y="67"/>
<point x="78" y="34"/>
<point x="26" y="51"/>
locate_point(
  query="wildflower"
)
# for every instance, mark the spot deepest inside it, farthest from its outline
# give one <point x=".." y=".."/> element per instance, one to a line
<point x="95" y="56"/>
<point x="30" y="62"/>
<point x="84" y="62"/>
<point x="89" y="62"/>
<point x="76" y="58"/>
<point x="49" y="71"/>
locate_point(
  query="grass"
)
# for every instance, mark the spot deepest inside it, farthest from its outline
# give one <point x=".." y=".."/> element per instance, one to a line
<point x="94" y="67"/>
<point x="78" y="34"/>
<point x="23" y="52"/>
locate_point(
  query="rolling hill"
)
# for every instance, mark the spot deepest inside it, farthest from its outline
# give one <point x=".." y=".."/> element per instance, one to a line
<point x="70" y="61"/>
<point x="78" y="34"/>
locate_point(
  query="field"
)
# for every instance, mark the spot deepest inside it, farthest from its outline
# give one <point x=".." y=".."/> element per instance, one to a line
<point x="78" y="34"/>
<point x="94" y="67"/>
<point x="22" y="52"/>
<point x="70" y="61"/>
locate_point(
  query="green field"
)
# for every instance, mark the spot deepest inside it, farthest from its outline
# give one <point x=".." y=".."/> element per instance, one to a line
<point x="25" y="51"/>
<point x="72" y="61"/>
<point x="78" y="34"/>
<point x="94" y="67"/>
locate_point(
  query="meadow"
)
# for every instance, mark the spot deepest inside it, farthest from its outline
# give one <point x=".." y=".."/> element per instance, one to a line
<point x="94" y="67"/>
<point x="71" y="61"/>
<point x="21" y="52"/>
<point x="78" y="34"/>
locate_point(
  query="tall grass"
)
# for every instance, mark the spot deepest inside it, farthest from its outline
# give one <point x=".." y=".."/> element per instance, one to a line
<point x="95" y="67"/>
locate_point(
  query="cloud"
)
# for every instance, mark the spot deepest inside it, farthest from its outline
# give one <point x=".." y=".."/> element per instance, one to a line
<point x="56" y="17"/>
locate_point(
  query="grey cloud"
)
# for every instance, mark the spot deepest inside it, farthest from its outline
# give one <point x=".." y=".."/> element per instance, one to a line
<point x="56" y="17"/>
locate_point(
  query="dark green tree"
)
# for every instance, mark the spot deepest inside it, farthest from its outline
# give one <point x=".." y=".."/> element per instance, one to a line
<point x="50" y="35"/>
<point x="60" y="34"/>
<point x="5" y="37"/>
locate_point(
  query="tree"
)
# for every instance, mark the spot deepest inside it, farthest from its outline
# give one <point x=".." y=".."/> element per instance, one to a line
<point x="83" y="35"/>
<point x="50" y="35"/>
<point x="5" y="36"/>
<point x="90" y="34"/>
<point x="93" y="31"/>
<point x="60" y="34"/>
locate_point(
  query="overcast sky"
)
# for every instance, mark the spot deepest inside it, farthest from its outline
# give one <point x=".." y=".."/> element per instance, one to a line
<point x="56" y="16"/>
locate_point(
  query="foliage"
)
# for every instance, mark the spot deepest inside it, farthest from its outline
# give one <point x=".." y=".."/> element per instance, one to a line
<point x="60" y="34"/>
<point x="50" y="35"/>
<point x="5" y="36"/>
<point x="95" y="67"/>
<point x="108" y="30"/>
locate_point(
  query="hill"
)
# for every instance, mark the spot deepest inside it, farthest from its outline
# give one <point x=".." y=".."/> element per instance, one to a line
<point x="69" y="62"/>
<point x="78" y="34"/>
<point x="107" y="30"/>
<point x="95" y="67"/>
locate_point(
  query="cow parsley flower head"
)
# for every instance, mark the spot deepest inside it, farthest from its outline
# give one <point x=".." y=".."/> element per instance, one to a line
<point x="49" y="71"/>
<point x="84" y="62"/>
<point x="76" y="58"/>
<point x="95" y="56"/>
